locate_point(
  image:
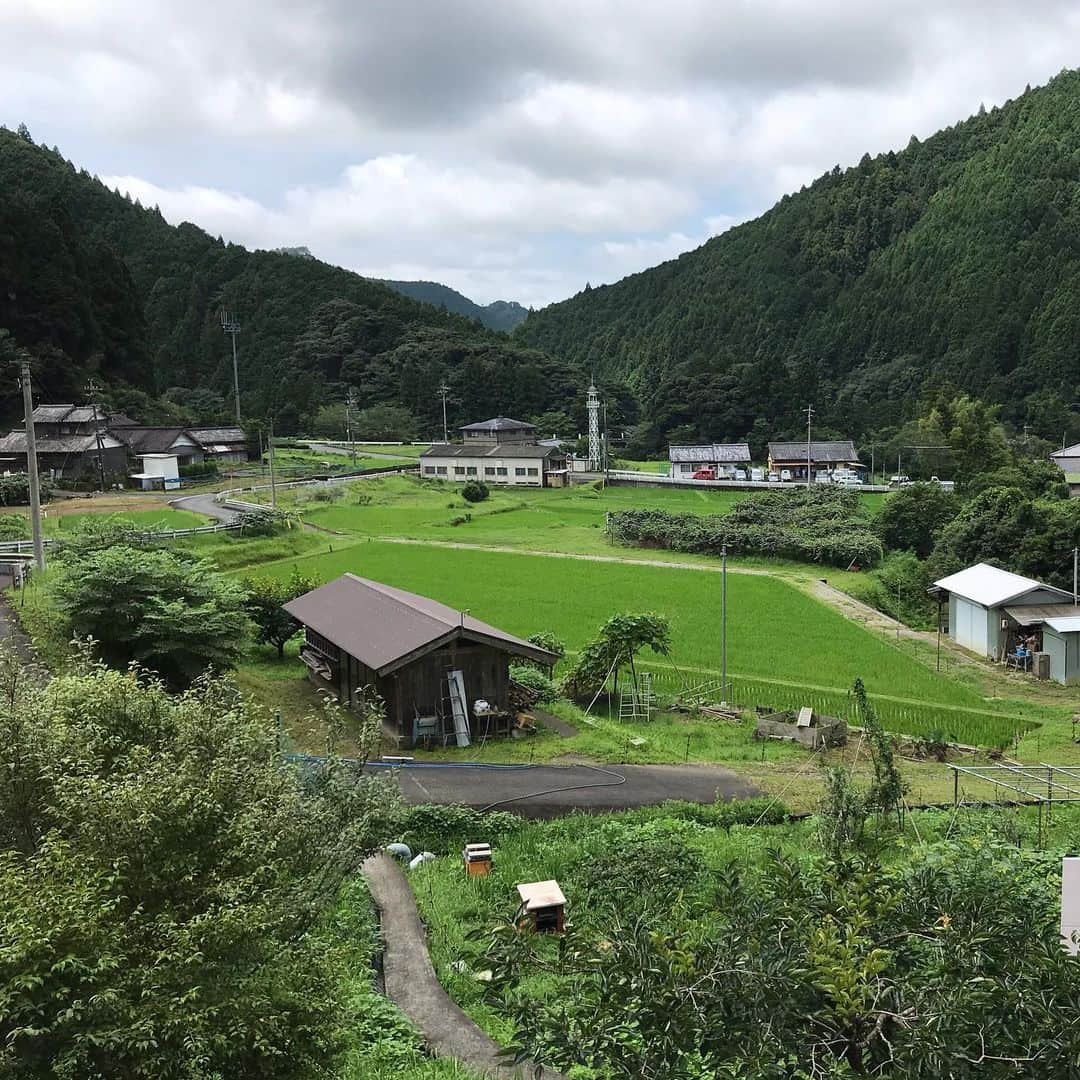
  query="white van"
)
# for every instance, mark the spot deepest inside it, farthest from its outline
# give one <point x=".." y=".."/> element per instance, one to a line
<point x="757" y="475"/>
<point x="785" y="475"/>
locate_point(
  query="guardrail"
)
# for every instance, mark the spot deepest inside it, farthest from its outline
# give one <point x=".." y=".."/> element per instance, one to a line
<point x="229" y="495"/>
<point x="20" y="547"/>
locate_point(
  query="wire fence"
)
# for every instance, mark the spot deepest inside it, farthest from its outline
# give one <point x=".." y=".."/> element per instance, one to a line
<point x="954" y="724"/>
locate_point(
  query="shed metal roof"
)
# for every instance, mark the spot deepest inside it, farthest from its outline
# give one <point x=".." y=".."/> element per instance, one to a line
<point x="1068" y="625"/>
<point x="385" y="628"/>
<point x="498" y="423"/>
<point x="730" y="452"/>
<point x="1067" y="451"/>
<point x="154" y="440"/>
<point x="820" y="452"/>
<point x="1033" y="614"/>
<point x="990" y="586"/>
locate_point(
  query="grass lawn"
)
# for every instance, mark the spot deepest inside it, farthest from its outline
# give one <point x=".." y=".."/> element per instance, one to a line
<point x="152" y="520"/>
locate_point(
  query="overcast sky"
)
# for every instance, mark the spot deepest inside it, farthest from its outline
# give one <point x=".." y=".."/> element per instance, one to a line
<point x="514" y="149"/>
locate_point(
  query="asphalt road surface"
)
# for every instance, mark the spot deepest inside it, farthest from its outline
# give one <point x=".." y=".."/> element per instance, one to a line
<point x="544" y="791"/>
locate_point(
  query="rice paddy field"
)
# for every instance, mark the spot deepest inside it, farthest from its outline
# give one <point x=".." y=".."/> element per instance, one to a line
<point x="784" y="647"/>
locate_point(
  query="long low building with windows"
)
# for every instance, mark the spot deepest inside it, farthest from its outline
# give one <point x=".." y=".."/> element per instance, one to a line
<point x="497" y="451"/>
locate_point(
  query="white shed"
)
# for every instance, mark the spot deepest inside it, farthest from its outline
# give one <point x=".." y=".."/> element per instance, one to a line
<point x="977" y="598"/>
<point x="1061" y="639"/>
<point x="158" y="471"/>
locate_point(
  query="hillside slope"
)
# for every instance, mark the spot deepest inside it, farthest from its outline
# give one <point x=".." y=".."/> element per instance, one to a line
<point x="93" y="283"/>
<point x="955" y="259"/>
<point x="498" y="315"/>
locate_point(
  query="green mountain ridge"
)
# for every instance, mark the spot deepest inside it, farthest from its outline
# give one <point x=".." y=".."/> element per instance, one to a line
<point x="95" y="285"/>
<point x="501" y="315"/>
<point x="954" y="260"/>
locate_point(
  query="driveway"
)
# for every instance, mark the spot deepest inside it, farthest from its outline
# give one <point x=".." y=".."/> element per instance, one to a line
<point x="545" y="791"/>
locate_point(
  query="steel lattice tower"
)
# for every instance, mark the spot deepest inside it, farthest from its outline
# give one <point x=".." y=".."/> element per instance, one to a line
<point x="592" y="403"/>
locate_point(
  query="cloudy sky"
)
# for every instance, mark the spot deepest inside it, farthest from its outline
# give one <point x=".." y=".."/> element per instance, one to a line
<point x="511" y="148"/>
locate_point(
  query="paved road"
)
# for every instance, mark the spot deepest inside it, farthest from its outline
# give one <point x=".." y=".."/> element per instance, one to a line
<point x="534" y="791"/>
<point x="411" y="983"/>
<point x="361" y="451"/>
<point x="205" y="505"/>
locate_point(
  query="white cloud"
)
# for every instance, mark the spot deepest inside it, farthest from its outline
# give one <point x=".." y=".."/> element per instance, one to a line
<point x="513" y="149"/>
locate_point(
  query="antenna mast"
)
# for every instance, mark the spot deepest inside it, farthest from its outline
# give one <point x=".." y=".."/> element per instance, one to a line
<point x="231" y="325"/>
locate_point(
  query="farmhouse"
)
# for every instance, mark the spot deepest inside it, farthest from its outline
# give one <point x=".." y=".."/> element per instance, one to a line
<point x="1008" y="617"/>
<point x="175" y="441"/>
<point x="70" y="441"/>
<point x="825" y="457"/>
<point x="498" y="451"/>
<point x="443" y="675"/>
<point x="722" y="458"/>
<point x="1067" y="459"/>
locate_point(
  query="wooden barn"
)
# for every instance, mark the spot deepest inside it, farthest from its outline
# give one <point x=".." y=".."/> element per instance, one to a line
<point x="443" y="675"/>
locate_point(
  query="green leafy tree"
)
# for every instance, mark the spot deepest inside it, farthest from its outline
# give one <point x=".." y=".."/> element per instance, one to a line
<point x="616" y="645"/>
<point x="888" y="790"/>
<point x="386" y="422"/>
<point x="475" y="491"/>
<point x="911" y="518"/>
<point x="175" y="616"/>
<point x="162" y="873"/>
<point x="264" y="604"/>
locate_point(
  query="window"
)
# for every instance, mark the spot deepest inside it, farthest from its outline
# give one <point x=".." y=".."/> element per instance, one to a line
<point x="489" y="470"/>
<point x="519" y="472"/>
<point x="534" y="472"/>
<point x="501" y="471"/>
<point x="441" y="470"/>
<point x="471" y="470"/>
<point x="429" y="470"/>
<point x="459" y="470"/>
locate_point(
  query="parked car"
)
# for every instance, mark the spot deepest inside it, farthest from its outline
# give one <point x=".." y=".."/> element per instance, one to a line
<point x="774" y="478"/>
<point x="704" y="474"/>
<point x="785" y="475"/>
<point x="948" y="485"/>
<point x="739" y="474"/>
<point x="757" y="475"/>
<point x="899" y="480"/>
<point x="849" y="481"/>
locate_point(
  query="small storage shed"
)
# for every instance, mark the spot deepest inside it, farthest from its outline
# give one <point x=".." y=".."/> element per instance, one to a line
<point x="444" y="676"/>
<point x="1061" y="639"/>
<point x="978" y="597"/>
<point x="159" y="471"/>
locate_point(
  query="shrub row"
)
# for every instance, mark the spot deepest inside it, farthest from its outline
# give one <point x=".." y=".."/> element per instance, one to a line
<point x="837" y="542"/>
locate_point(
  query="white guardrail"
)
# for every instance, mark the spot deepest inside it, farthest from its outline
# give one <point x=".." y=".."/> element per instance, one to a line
<point x="20" y="547"/>
<point x="634" y="476"/>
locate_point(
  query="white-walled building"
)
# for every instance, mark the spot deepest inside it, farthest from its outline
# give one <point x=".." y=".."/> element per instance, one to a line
<point x="1068" y="461"/>
<point x="497" y="451"/>
<point x="158" y="471"/>
<point x="722" y="458"/>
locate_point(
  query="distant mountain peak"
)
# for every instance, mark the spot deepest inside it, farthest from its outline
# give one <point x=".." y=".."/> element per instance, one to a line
<point x="498" y="315"/>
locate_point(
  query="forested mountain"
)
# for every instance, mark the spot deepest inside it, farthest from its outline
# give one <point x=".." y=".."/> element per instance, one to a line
<point x="498" y="315"/>
<point x="956" y="260"/>
<point x="95" y="284"/>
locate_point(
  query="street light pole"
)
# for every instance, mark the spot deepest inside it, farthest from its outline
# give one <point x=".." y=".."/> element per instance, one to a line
<point x="32" y="467"/>
<point x="273" y="476"/>
<point x="443" y="391"/>
<point x="809" y="418"/>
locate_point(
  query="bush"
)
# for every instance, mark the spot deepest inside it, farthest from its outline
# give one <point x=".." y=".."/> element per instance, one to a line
<point x="815" y="524"/>
<point x="550" y="642"/>
<point x="199" y="470"/>
<point x="14" y="527"/>
<point x="911" y="518"/>
<point x="461" y="519"/>
<point x="446" y="830"/>
<point x="15" y="490"/>
<point x="326" y="493"/>
<point x="262" y="522"/>
<point x="534" y="679"/>
<point x="475" y="491"/>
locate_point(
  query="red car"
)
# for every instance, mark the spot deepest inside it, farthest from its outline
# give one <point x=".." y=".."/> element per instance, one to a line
<point x="704" y="474"/>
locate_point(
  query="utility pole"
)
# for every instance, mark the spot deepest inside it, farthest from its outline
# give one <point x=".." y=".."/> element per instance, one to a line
<point x="723" y="624"/>
<point x="1076" y="567"/>
<point x="273" y="478"/>
<point x="443" y="391"/>
<point x="231" y="325"/>
<point x="809" y="417"/>
<point x="32" y="467"/>
<point x="350" y="404"/>
<point x="92" y="391"/>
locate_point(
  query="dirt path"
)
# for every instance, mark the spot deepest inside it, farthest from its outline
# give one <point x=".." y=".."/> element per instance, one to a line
<point x="412" y="985"/>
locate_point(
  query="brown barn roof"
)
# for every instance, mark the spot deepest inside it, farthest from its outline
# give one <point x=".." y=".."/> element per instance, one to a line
<point x="385" y="628"/>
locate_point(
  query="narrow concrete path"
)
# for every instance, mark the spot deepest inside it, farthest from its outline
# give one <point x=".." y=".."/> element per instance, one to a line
<point x="412" y="985"/>
<point x="360" y="450"/>
<point x="13" y="636"/>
